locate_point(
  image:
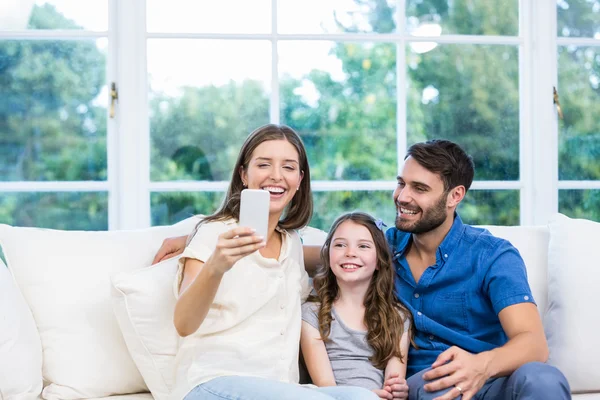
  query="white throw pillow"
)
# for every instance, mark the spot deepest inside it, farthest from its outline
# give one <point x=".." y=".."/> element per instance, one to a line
<point x="572" y="321"/>
<point x="144" y="303"/>
<point x="65" y="278"/>
<point x="20" y="348"/>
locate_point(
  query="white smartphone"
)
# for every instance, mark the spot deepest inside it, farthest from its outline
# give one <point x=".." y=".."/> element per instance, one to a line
<point x="254" y="210"/>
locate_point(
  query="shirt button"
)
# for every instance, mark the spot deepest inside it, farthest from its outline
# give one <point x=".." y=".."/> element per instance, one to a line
<point x="445" y="255"/>
<point x="282" y="306"/>
<point x="526" y="298"/>
<point x="282" y="332"/>
<point x="280" y="276"/>
<point x="419" y="313"/>
<point x="430" y="337"/>
<point x="416" y="295"/>
<point x="282" y="357"/>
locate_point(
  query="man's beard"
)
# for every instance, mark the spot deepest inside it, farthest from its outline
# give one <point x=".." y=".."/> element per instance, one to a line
<point x="430" y="218"/>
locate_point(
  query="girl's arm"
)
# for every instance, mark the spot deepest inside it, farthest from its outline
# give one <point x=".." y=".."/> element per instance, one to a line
<point x="315" y="356"/>
<point x="201" y="280"/>
<point x="395" y="372"/>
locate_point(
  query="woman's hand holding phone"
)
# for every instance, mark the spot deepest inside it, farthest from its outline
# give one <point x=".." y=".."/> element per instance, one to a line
<point x="232" y="246"/>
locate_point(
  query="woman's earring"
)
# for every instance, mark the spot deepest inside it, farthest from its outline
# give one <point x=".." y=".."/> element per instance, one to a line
<point x="244" y="184"/>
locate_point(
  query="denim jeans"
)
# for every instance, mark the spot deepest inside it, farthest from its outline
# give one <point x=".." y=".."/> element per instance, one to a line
<point x="532" y="381"/>
<point x="250" y="388"/>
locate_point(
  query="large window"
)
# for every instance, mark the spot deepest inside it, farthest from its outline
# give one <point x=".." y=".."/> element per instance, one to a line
<point x="579" y="88"/>
<point x="359" y="80"/>
<point x="53" y="123"/>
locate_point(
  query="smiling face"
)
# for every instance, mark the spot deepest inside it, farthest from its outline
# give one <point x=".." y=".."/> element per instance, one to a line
<point x="352" y="253"/>
<point x="274" y="166"/>
<point x="421" y="199"/>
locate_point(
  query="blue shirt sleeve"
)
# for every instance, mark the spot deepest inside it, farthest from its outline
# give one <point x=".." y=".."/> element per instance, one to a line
<point x="505" y="281"/>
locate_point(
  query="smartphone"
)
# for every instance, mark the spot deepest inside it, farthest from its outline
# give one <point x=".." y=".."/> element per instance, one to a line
<point x="254" y="210"/>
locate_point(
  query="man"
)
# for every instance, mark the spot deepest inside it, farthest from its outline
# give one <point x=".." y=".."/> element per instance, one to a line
<point x="477" y="329"/>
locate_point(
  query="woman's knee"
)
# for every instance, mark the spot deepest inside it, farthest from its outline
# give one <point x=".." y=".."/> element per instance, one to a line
<point x="348" y="393"/>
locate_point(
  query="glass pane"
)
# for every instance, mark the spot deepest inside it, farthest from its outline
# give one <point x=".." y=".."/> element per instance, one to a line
<point x="205" y="96"/>
<point x="580" y="203"/>
<point x="171" y="207"/>
<point x="232" y="16"/>
<point x="53" y="14"/>
<point x="468" y="94"/>
<point x="579" y="132"/>
<point x="70" y="211"/>
<point x="578" y="18"/>
<point x="341" y="97"/>
<point x="53" y="110"/>
<point x="336" y="16"/>
<point x="490" y="207"/>
<point x="330" y="205"/>
<point x="465" y="17"/>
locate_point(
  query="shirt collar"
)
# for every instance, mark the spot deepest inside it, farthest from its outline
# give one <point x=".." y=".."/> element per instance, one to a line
<point x="445" y="249"/>
<point x="450" y="242"/>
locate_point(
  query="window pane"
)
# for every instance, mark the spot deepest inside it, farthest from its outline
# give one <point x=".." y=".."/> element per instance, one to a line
<point x="335" y="16"/>
<point x="580" y="203"/>
<point x="490" y="207"/>
<point x="53" y="110"/>
<point x="489" y="17"/>
<point x="71" y="211"/>
<point x="578" y="18"/>
<point x="330" y="205"/>
<point x="579" y="131"/>
<point x="53" y="14"/>
<point x="341" y="97"/>
<point x="232" y="16"/>
<point x="171" y="207"/>
<point x="205" y="97"/>
<point x="468" y="94"/>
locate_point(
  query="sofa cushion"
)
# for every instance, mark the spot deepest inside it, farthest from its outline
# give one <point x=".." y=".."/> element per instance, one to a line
<point x="572" y="320"/>
<point x="20" y="348"/>
<point x="65" y="279"/>
<point x="135" y="396"/>
<point x="144" y="303"/>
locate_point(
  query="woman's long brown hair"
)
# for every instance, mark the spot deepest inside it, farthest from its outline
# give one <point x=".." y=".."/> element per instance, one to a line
<point x="384" y="313"/>
<point x="299" y="212"/>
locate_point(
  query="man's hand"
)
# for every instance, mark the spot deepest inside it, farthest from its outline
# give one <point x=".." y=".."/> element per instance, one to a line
<point x="456" y="367"/>
<point x="396" y="386"/>
<point x="170" y="248"/>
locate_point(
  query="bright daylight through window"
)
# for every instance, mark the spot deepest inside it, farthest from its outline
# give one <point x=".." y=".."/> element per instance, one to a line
<point x="359" y="80"/>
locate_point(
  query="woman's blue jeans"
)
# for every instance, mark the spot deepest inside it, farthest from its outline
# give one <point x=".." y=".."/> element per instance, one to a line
<point x="250" y="388"/>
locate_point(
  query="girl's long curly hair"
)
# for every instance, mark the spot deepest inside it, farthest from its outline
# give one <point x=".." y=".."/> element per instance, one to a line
<point x="384" y="313"/>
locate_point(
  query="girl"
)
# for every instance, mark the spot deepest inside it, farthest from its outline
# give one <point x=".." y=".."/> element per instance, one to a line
<point x="356" y="330"/>
<point x="239" y="309"/>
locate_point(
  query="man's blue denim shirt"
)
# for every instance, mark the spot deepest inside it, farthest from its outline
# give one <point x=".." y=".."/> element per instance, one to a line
<point x="456" y="301"/>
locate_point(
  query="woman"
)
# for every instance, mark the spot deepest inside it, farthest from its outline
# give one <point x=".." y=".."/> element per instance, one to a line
<point x="238" y="309"/>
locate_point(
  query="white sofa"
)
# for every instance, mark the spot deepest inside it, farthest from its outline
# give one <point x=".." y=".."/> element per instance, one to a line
<point x="84" y="316"/>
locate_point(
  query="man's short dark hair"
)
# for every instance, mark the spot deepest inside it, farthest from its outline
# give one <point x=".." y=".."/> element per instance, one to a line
<point x="445" y="158"/>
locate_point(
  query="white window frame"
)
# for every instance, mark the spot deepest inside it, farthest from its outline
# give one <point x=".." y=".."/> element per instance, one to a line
<point x="129" y="186"/>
